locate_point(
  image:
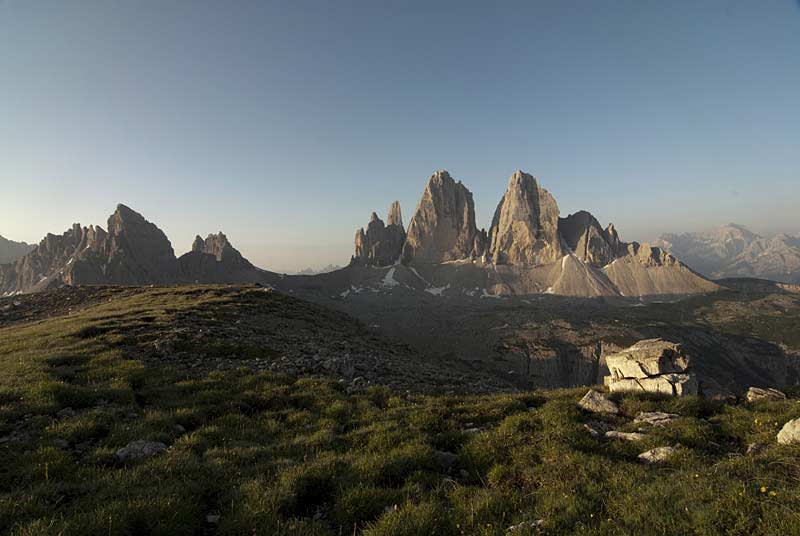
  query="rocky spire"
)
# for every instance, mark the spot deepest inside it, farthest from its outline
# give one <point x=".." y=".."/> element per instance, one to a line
<point x="381" y="244"/>
<point x="524" y="230"/>
<point x="443" y="227"/>
<point x="216" y="245"/>
<point x="198" y="245"/>
<point x="395" y="217"/>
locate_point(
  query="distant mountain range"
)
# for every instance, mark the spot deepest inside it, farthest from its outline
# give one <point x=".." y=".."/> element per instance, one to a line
<point x="317" y="271"/>
<point x="10" y="251"/>
<point x="734" y="251"/>
<point x="529" y="249"/>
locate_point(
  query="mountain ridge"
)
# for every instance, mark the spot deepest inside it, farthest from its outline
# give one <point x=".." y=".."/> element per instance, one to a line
<point x="529" y="249"/>
<point x="732" y="250"/>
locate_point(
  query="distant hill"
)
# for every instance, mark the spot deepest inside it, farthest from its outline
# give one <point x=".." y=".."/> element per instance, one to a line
<point x="734" y="251"/>
<point x="10" y="251"/>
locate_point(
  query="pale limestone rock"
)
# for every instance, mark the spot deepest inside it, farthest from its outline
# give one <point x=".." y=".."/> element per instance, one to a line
<point x="666" y="384"/>
<point x="654" y="366"/>
<point x="657" y="455"/>
<point x="524" y="230"/>
<point x="655" y="418"/>
<point x="443" y="226"/>
<point x="627" y="436"/>
<point x="597" y="403"/>
<point x="757" y="393"/>
<point x="648" y="358"/>
<point x="790" y="433"/>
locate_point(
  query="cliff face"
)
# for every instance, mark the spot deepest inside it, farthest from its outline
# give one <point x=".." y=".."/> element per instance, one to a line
<point x="524" y="230"/>
<point x="443" y="227"/>
<point x="380" y="245"/>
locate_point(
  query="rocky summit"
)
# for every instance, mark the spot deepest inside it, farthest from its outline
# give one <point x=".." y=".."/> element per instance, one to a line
<point x="380" y="245"/>
<point x="443" y="227"/>
<point x="524" y="230"/>
<point x="215" y="260"/>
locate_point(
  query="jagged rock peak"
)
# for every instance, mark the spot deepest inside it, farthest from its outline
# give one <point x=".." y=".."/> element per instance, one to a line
<point x="443" y="226"/>
<point x="216" y="245"/>
<point x="524" y="229"/>
<point x="198" y="245"/>
<point x="588" y="240"/>
<point x="381" y="244"/>
<point x="395" y="216"/>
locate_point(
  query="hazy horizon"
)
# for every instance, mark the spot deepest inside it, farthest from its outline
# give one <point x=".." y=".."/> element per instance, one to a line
<point x="286" y="126"/>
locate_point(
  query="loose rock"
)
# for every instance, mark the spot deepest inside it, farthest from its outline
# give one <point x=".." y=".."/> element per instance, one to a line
<point x="598" y="403"/>
<point x="628" y="436"/>
<point x="657" y="455"/>
<point x="139" y="449"/>
<point x="790" y="433"/>
<point x="445" y="459"/>
<point x="757" y="393"/>
<point x="655" y="418"/>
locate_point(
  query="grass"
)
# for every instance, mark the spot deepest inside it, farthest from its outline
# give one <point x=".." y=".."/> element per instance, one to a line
<point x="277" y="455"/>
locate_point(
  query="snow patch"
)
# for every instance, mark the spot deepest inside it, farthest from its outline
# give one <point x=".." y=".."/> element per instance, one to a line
<point x="437" y="291"/>
<point x="389" y="280"/>
<point x="485" y="294"/>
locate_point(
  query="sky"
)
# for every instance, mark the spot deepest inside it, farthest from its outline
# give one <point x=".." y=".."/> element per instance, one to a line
<point x="285" y="124"/>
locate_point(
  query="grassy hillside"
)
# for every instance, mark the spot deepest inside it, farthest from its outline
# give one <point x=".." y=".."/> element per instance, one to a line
<point x="252" y="451"/>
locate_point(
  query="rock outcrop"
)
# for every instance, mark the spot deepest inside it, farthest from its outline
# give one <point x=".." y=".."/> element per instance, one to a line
<point x="657" y="455"/>
<point x="380" y="245"/>
<point x="10" y="251"/>
<point x="215" y="260"/>
<point x="654" y="366"/>
<point x="524" y="230"/>
<point x="790" y="433"/>
<point x="757" y="393"/>
<point x="596" y="402"/>
<point x="443" y="226"/>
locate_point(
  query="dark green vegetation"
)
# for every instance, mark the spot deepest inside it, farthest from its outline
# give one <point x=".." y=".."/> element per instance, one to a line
<point x="273" y="454"/>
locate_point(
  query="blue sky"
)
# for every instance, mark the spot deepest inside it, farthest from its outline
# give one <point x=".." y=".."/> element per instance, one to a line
<point x="285" y="124"/>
